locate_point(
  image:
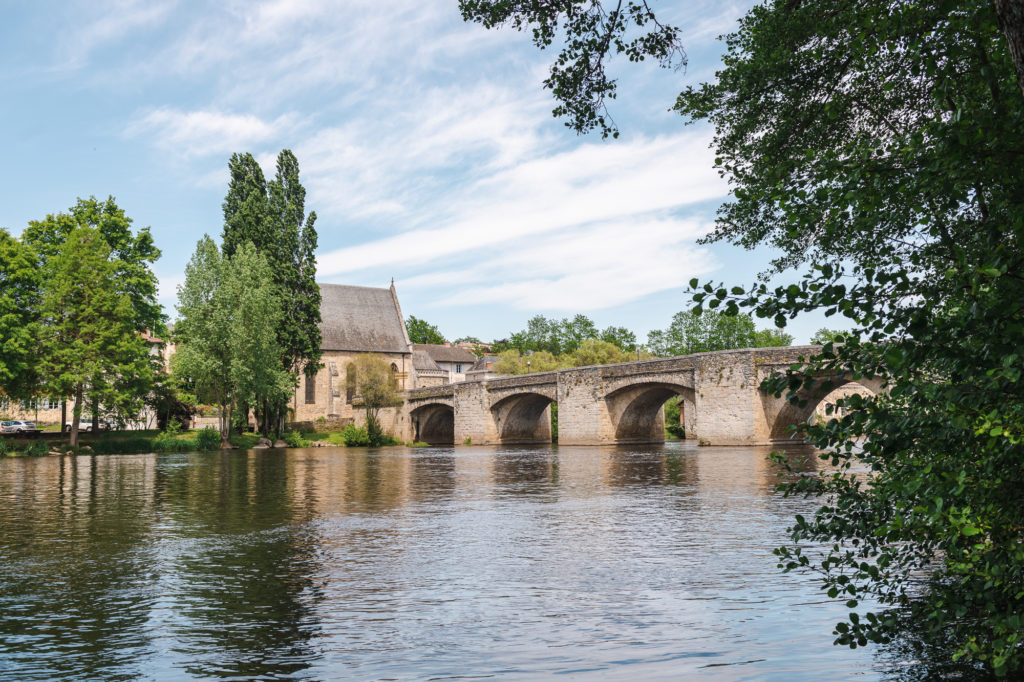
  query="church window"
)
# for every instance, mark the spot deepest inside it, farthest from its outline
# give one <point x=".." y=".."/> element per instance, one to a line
<point x="350" y="382"/>
<point x="310" y="390"/>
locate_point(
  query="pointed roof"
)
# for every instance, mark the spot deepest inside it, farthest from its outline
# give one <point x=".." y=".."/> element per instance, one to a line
<point x="364" y="319"/>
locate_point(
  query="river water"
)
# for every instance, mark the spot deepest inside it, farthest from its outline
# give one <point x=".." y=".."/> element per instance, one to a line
<point x="471" y="562"/>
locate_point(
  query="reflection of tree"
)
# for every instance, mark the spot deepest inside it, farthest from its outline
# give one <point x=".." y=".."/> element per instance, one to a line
<point x="76" y="578"/>
<point x="246" y="593"/>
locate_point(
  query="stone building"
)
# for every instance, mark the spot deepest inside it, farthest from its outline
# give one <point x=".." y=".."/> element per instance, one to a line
<point x="356" y="320"/>
<point x="454" y="360"/>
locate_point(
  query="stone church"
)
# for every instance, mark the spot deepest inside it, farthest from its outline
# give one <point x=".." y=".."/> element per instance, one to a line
<point x="356" y="320"/>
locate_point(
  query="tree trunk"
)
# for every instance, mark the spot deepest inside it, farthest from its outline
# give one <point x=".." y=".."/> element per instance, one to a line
<point x="95" y="415"/>
<point x="224" y="418"/>
<point x="76" y="415"/>
<point x="1010" y="14"/>
<point x="63" y="414"/>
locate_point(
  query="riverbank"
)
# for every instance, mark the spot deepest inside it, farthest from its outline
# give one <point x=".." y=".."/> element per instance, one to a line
<point x="202" y="440"/>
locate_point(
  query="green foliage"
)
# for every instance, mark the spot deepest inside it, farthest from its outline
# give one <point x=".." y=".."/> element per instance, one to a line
<point x="511" y="362"/>
<point x="594" y="352"/>
<point x="131" y="253"/>
<point x="88" y="339"/>
<point x="37" y="448"/>
<point x="468" y="441"/>
<point x="229" y="352"/>
<point x="5" y="447"/>
<point x="592" y="34"/>
<point x="672" y="425"/>
<point x="710" y="330"/>
<point x="294" y="439"/>
<point x="421" y="331"/>
<point x="355" y="436"/>
<point x="207" y="439"/>
<point x="887" y="150"/>
<point x="271" y="216"/>
<point x="19" y="305"/>
<point x="621" y="337"/>
<point x="825" y="335"/>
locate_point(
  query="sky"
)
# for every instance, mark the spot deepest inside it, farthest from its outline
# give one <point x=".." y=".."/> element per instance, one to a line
<point x="426" y="145"/>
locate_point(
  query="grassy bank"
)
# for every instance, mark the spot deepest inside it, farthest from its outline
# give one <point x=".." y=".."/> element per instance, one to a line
<point x="135" y="442"/>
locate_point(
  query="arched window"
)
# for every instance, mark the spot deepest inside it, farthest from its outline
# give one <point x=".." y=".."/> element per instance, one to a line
<point x="310" y="389"/>
<point x="350" y="382"/>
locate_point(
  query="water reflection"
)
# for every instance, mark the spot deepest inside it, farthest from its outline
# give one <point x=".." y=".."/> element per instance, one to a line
<point x="622" y="563"/>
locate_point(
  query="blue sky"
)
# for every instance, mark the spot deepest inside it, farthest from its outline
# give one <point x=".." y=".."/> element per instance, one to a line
<point x="426" y="145"/>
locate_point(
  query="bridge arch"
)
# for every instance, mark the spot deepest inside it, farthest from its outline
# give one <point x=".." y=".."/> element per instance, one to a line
<point x="433" y="423"/>
<point x="523" y="418"/>
<point x="636" y="411"/>
<point x="783" y="416"/>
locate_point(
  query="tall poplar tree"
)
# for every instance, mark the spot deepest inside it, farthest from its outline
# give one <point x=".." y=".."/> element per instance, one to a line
<point x="272" y="216"/>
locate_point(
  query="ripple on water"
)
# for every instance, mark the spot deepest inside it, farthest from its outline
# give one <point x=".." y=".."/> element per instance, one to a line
<point x="441" y="563"/>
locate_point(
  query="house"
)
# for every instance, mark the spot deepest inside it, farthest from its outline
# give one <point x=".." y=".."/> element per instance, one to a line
<point x="452" y="359"/>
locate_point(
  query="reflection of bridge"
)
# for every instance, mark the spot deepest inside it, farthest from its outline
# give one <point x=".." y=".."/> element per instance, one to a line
<point x="721" y="402"/>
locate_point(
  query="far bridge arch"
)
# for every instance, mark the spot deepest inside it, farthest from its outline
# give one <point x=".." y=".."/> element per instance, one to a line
<point x="523" y="418"/>
<point x="433" y="423"/>
<point x="783" y="416"/>
<point x="636" y="411"/>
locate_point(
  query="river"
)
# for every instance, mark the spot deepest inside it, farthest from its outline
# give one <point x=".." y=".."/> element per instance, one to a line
<point x="620" y="563"/>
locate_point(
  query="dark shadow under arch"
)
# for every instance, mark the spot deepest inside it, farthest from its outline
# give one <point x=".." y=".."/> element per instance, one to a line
<point x="636" y="411"/>
<point x="434" y="424"/>
<point x="521" y="418"/>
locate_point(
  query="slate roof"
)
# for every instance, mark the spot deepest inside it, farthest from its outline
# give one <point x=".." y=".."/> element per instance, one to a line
<point x="442" y="353"/>
<point x="421" y="361"/>
<point x="362" y="319"/>
<point x="484" y="361"/>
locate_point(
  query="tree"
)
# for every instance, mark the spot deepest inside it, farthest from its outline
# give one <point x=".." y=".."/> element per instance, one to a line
<point x="378" y="389"/>
<point x="20" y="281"/>
<point x="132" y="253"/>
<point x="621" y="337"/>
<point x="710" y="331"/>
<point x="886" y="151"/>
<point x="272" y="217"/>
<point x="597" y="352"/>
<point x="826" y="335"/>
<point x="577" y="78"/>
<point x="421" y="331"/>
<point x="227" y="331"/>
<point x="87" y="335"/>
<point x="512" y="362"/>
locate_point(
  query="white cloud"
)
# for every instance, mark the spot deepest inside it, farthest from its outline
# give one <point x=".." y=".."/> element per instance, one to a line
<point x="206" y="132"/>
<point x="593" y="182"/>
<point x="587" y="268"/>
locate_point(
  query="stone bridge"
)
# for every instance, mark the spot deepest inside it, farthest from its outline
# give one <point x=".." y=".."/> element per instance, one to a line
<point x="721" y="402"/>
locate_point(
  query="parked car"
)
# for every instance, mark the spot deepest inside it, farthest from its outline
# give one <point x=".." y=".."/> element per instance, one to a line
<point x="87" y="426"/>
<point x="19" y="426"/>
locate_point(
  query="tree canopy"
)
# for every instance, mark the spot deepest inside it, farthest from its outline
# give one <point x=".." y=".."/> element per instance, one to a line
<point x="592" y="35"/>
<point x="885" y="155"/>
<point x="421" y="331"/>
<point x="690" y="332"/>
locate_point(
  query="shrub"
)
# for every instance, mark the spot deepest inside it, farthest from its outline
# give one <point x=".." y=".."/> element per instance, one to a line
<point x="207" y="439"/>
<point x="676" y="430"/>
<point x="4" y="447"/>
<point x="37" y="448"/>
<point x="355" y="436"/>
<point x="294" y="439"/>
